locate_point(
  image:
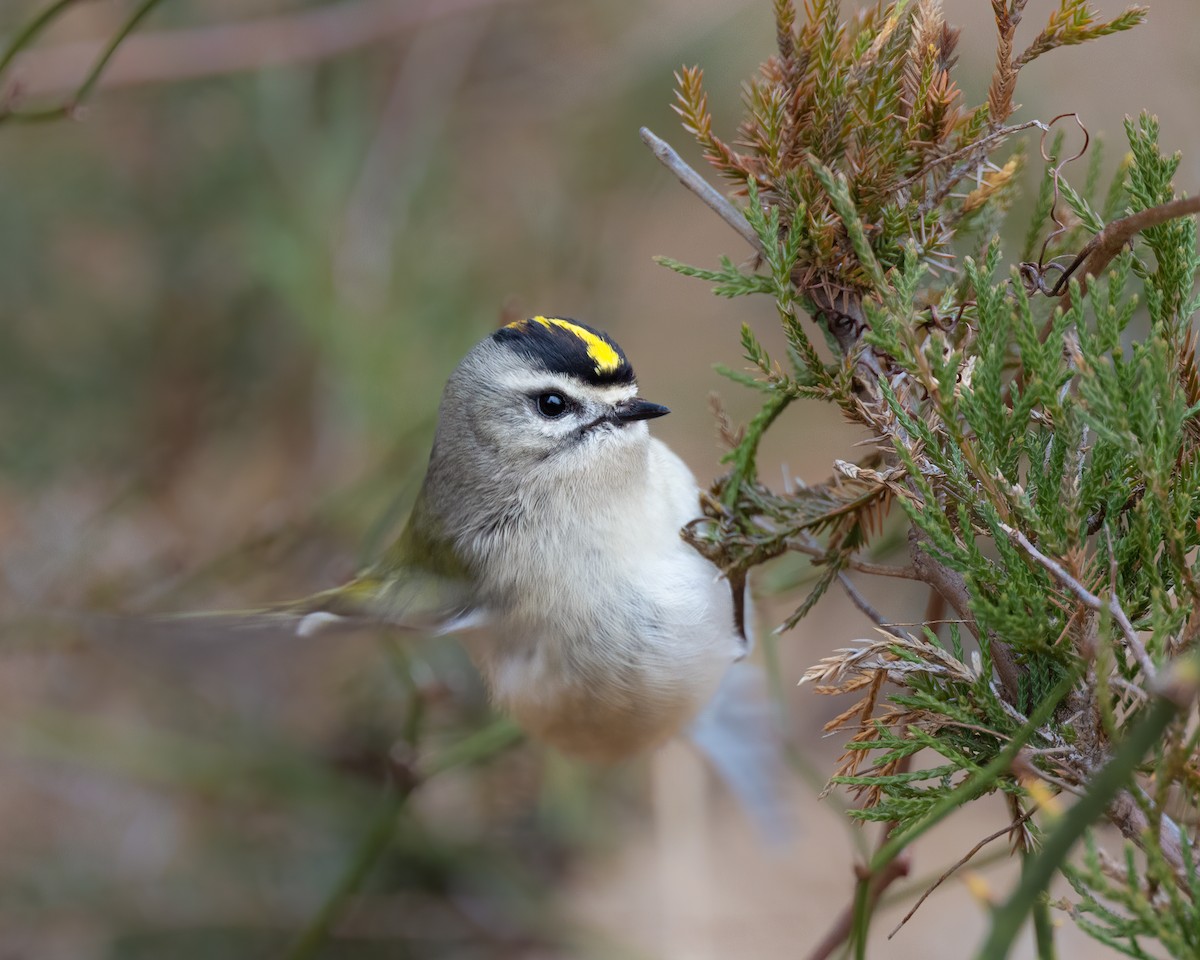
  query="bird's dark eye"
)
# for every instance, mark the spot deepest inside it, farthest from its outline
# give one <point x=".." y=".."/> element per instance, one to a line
<point x="551" y="405"/>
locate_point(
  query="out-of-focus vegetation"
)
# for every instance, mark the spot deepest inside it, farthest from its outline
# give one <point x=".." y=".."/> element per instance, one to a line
<point x="230" y="303"/>
<point x="229" y="300"/>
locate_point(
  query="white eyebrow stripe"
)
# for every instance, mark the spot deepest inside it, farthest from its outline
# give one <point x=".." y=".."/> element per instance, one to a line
<point x="530" y="382"/>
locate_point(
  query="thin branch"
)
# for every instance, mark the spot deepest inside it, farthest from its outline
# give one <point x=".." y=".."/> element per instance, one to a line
<point x="370" y="849"/>
<point x="1059" y="782"/>
<point x="29" y="32"/>
<point x="1130" y="688"/>
<point x="1088" y="599"/>
<point x="84" y="90"/>
<point x="863" y="604"/>
<point x="705" y="191"/>
<point x="1127" y="815"/>
<point x="815" y="550"/>
<point x="959" y="864"/>
<point x="1000" y="134"/>
<point x="953" y="588"/>
<point x="877" y="881"/>
<point x="842" y="926"/>
<point x="1099" y="252"/>
<point x="375" y="842"/>
<point x="308" y="36"/>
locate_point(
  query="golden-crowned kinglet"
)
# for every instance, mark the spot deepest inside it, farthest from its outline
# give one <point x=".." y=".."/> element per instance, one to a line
<point x="551" y="517"/>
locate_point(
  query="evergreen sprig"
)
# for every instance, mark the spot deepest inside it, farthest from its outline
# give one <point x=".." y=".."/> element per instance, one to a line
<point x="1036" y="426"/>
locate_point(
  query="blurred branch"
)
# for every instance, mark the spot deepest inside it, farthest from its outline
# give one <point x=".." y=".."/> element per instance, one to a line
<point x="434" y="65"/>
<point x="29" y="32"/>
<point x="370" y="848"/>
<point x="167" y="55"/>
<point x="483" y="745"/>
<point x="875" y="883"/>
<point x="83" y="90"/>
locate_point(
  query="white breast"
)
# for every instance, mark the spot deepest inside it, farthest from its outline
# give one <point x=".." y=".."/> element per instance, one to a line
<point x="616" y="632"/>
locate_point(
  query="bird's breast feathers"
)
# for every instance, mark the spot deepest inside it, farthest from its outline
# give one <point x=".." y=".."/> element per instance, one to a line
<point x="613" y="631"/>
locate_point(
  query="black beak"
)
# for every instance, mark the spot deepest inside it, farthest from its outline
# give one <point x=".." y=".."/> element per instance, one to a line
<point x="627" y="411"/>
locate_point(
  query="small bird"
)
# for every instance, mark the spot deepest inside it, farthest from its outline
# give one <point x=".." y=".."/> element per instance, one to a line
<point x="550" y="517"/>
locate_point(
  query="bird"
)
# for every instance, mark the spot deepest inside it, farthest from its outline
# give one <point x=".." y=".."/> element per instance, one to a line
<point x="547" y="535"/>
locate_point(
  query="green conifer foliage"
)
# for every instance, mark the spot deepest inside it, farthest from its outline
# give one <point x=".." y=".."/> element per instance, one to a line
<point x="1037" y="436"/>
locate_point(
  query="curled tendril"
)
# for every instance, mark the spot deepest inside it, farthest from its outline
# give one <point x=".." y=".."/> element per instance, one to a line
<point x="1034" y="275"/>
<point x="947" y="323"/>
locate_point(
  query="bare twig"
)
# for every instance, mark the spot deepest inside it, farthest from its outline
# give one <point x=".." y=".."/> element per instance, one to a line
<point x="1129" y="817"/>
<point x="1059" y="782"/>
<point x="814" y="549"/>
<point x="1088" y="599"/>
<point x="1099" y="252"/>
<point x="951" y="585"/>
<point x="708" y="194"/>
<point x="959" y="864"/>
<point x="90" y="79"/>
<point x="863" y="604"/>
<point x="1130" y="688"/>
<point x="970" y="149"/>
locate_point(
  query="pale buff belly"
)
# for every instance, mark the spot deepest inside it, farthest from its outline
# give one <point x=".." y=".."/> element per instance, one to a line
<point x="587" y="725"/>
<point x="600" y="710"/>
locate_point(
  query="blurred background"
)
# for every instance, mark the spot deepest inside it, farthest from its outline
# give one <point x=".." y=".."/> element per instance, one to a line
<point x="233" y="286"/>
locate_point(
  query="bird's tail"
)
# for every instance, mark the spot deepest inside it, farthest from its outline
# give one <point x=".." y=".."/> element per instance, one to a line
<point x="739" y="733"/>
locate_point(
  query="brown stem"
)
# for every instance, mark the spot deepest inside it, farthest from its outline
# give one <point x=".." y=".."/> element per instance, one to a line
<point x="876" y="885"/>
<point x="1128" y="817"/>
<point x="953" y="588"/>
<point x="1099" y="252"/>
<point x="840" y="930"/>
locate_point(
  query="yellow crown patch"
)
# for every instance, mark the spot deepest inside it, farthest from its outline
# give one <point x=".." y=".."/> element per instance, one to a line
<point x="564" y="346"/>
<point x="603" y="355"/>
